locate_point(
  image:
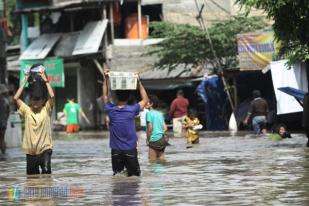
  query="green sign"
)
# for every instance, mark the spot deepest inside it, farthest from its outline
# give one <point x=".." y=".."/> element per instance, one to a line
<point x="54" y="70"/>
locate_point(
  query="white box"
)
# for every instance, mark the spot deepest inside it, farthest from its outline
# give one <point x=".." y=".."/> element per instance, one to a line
<point x="123" y="80"/>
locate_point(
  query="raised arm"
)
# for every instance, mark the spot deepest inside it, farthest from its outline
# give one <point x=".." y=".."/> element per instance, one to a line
<point x="143" y="94"/>
<point x="20" y="91"/>
<point x="106" y="97"/>
<point x="51" y="95"/>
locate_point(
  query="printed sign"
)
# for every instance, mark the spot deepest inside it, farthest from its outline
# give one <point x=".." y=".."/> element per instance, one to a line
<point x="54" y="70"/>
<point x="256" y="50"/>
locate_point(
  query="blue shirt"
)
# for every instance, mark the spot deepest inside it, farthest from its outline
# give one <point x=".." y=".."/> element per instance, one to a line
<point x="122" y="125"/>
<point x="155" y="118"/>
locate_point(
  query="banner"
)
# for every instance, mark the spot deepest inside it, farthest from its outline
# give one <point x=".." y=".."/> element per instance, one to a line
<point x="295" y="77"/>
<point x="54" y="70"/>
<point x="256" y="50"/>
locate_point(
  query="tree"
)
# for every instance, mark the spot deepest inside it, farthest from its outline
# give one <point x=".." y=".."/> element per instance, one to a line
<point x="189" y="45"/>
<point x="291" y="25"/>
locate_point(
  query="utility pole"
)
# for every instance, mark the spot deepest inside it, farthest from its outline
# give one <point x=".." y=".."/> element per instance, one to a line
<point x="3" y="78"/>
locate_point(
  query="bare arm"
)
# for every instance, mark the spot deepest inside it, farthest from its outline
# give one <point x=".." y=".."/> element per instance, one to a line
<point x="106" y="96"/>
<point x="20" y="91"/>
<point x="143" y="94"/>
<point x="172" y="109"/>
<point x="149" y="132"/>
<point x="84" y="116"/>
<point x="164" y="127"/>
<point x="50" y="90"/>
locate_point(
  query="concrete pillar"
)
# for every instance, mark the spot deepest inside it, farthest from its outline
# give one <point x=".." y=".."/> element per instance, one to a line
<point x="86" y="92"/>
<point x="24" y="32"/>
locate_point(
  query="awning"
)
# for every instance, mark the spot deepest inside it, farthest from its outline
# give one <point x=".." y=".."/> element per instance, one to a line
<point x="66" y="44"/>
<point x="90" y="38"/>
<point x="40" y="47"/>
<point x="168" y="84"/>
<point x="165" y="79"/>
<point x="298" y="94"/>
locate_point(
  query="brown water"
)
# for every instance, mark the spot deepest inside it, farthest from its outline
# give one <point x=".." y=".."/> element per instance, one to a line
<point x="221" y="170"/>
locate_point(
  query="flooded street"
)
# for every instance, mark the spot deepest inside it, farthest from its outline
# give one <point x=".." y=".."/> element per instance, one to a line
<point x="221" y="170"/>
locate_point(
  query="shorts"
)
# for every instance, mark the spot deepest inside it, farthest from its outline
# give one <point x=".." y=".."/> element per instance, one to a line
<point x="125" y="159"/>
<point x="72" y="128"/>
<point x="159" y="145"/>
<point x="34" y="162"/>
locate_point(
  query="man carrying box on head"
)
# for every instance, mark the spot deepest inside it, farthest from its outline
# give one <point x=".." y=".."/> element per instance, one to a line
<point x="123" y="138"/>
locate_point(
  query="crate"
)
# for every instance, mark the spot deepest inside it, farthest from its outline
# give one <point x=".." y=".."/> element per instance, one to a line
<point x="123" y="80"/>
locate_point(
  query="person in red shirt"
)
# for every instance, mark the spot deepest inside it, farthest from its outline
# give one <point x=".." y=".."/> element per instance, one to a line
<point x="178" y="112"/>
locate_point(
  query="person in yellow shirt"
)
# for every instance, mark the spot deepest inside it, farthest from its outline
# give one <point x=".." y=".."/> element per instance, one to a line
<point x="37" y="141"/>
<point x="192" y="124"/>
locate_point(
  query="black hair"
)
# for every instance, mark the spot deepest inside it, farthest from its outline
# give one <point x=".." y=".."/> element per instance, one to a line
<point x="154" y="100"/>
<point x="180" y="93"/>
<point x="192" y="112"/>
<point x="123" y="95"/>
<point x="256" y="93"/>
<point x="38" y="90"/>
<point x="37" y="87"/>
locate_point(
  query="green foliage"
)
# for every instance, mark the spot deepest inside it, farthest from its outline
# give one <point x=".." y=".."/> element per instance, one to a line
<point x="186" y="44"/>
<point x="291" y="24"/>
<point x="14" y="22"/>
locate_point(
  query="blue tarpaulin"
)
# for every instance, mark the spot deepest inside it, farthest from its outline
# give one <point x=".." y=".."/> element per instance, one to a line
<point x="211" y="91"/>
<point x="296" y="93"/>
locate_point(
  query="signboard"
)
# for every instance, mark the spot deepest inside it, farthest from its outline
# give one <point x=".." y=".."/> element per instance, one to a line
<point x="54" y="70"/>
<point x="123" y="80"/>
<point x="256" y="50"/>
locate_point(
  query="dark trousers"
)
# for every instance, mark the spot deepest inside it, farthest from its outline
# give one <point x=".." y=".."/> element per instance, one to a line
<point x="127" y="159"/>
<point x="34" y="162"/>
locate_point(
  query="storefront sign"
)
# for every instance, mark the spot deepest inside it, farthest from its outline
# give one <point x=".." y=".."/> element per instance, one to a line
<point x="256" y="50"/>
<point x="54" y="70"/>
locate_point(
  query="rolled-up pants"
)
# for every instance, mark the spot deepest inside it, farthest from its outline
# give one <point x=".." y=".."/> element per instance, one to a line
<point x="177" y="126"/>
<point x="34" y="162"/>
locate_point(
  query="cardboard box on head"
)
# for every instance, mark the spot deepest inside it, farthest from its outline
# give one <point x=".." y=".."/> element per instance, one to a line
<point x="123" y="80"/>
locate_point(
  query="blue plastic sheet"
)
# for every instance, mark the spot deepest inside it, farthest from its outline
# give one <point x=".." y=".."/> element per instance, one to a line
<point x="211" y="91"/>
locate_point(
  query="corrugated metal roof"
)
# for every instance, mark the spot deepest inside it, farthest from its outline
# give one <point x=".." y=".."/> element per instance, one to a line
<point x="90" y="38"/>
<point x="61" y="5"/>
<point x="66" y="44"/>
<point x="180" y="72"/>
<point x="40" y="47"/>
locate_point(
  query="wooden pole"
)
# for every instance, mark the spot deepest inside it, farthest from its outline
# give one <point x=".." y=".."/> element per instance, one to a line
<point x="111" y="21"/>
<point x="139" y="17"/>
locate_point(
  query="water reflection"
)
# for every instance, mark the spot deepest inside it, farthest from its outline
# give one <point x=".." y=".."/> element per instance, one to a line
<point x="125" y="191"/>
<point x="221" y="170"/>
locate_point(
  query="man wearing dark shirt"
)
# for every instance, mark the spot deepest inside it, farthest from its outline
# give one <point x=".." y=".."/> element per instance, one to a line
<point x="178" y="111"/>
<point x="257" y="112"/>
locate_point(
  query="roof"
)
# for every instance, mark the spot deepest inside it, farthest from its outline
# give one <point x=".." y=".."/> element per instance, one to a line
<point x="166" y="79"/>
<point x="70" y="44"/>
<point x="90" y="37"/>
<point x="40" y="47"/>
<point x="180" y="72"/>
<point x="63" y="4"/>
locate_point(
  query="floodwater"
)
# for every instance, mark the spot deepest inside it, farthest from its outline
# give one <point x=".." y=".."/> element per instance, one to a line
<point x="221" y="170"/>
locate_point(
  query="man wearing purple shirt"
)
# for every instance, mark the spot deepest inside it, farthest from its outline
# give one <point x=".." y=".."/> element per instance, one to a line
<point x="123" y="138"/>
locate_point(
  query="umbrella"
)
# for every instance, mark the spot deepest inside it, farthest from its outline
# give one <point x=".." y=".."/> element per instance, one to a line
<point x="296" y="93"/>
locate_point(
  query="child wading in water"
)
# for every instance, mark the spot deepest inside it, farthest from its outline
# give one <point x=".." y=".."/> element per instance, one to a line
<point x="123" y="138"/>
<point x="37" y="140"/>
<point x="192" y="124"/>
<point x="156" y="128"/>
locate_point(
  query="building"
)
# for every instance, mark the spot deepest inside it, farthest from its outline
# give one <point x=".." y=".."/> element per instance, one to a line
<point x="82" y="35"/>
